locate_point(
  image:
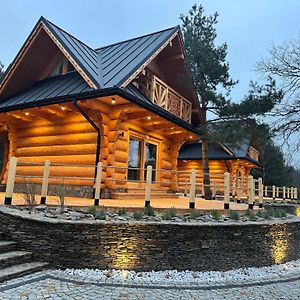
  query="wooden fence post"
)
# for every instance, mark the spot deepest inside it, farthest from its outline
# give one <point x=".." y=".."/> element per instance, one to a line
<point x="98" y="184"/>
<point x="148" y="186"/>
<point x="292" y="193"/>
<point x="266" y="191"/>
<point x="238" y="191"/>
<point x="283" y="193"/>
<point x="273" y="192"/>
<point x="192" y="188"/>
<point x="44" y="190"/>
<point x="250" y="192"/>
<point x="277" y="192"/>
<point x="226" y="190"/>
<point x="288" y="193"/>
<point x="10" y="181"/>
<point x="214" y="190"/>
<point x="296" y="194"/>
<point x="260" y="192"/>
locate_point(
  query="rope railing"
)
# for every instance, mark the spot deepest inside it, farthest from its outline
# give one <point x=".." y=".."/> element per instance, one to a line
<point x="225" y="187"/>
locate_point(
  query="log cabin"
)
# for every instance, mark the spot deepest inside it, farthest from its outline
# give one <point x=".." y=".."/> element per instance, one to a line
<point x="238" y="160"/>
<point x="127" y="105"/>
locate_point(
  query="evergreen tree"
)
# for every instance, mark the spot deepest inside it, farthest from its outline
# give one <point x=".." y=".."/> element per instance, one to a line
<point x="209" y="70"/>
<point x="210" y="75"/>
<point x="275" y="170"/>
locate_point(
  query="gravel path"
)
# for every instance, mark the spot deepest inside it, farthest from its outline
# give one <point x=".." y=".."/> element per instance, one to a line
<point x="56" y="285"/>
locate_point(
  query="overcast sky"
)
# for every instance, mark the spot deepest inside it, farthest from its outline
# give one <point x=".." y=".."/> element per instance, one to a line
<point x="248" y="26"/>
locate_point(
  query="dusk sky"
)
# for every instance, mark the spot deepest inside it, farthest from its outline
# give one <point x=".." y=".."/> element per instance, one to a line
<point x="248" y="26"/>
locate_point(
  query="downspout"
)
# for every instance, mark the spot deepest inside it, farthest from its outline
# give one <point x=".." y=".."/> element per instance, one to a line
<point x="85" y="115"/>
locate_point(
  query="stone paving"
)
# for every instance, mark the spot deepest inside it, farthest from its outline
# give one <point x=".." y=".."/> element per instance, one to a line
<point x="47" y="285"/>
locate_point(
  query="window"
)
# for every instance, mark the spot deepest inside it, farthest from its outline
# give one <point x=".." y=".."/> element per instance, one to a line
<point x="62" y="67"/>
<point x="141" y="155"/>
<point x="134" y="159"/>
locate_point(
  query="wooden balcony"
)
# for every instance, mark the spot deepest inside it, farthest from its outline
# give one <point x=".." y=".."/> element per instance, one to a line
<point x="166" y="97"/>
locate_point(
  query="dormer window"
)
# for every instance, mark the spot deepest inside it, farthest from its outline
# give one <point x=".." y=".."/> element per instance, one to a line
<point x="62" y="67"/>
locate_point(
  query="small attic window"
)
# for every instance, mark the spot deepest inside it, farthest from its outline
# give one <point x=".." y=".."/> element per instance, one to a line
<point x="62" y="67"/>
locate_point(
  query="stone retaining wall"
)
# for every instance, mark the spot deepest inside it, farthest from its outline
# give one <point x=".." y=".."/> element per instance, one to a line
<point x="153" y="246"/>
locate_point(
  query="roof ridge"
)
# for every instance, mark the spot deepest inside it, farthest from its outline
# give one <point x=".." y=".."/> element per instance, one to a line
<point x="71" y="35"/>
<point x="138" y="37"/>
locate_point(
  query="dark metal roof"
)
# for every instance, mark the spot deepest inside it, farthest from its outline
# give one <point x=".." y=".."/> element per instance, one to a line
<point x="85" y="56"/>
<point x="62" y="85"/>
<point x="193" y="151"/>
<point x="69" y="87"/>
<point x="111" y="65"/>
<point x="119" y="61"/>
<point x="108" y="67"/>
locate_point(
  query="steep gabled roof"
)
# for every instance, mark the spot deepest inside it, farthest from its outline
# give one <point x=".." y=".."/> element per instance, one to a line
<point x="121" y="60"/>
<point x="105" y="67"/>
<point x="84" y="56"/>
<point x="98" y="71"/>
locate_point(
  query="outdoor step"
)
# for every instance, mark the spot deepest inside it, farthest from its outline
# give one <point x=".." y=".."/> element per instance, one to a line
<point x="6" y="246"/>
<point x="142" y="195"/>
<point x="8" y="259"/>
<point x="21" y="269"/>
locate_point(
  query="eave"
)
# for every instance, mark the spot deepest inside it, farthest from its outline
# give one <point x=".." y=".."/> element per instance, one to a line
<point x="102" y="93"/>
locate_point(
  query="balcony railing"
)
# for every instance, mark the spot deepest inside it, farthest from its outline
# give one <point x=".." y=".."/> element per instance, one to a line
<point x="164" y="96"/>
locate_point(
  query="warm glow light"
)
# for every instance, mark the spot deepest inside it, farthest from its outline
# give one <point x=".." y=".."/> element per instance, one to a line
<point x="27" y="113"/>
<point x="191" y="137"/>
<point x="113" y="100"/>
<point x="149" y="118"/>
<point x="124" y="273"/>
<point x="63" y="108"/>
<point x="172" y="128"/>
<point x="279" y="244"/>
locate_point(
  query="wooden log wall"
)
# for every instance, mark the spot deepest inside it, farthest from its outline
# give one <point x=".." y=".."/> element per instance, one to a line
<point x="66" y="141"/>
<point x="70" y="139"/>
<point x="217" y="168"/>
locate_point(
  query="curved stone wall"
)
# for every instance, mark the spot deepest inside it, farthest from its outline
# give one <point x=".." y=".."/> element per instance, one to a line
<point x="153" y="246"/>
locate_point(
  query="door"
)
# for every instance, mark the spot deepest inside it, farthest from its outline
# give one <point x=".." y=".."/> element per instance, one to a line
<point x="141" y="154"/>
<point x="150" y="159"/>
<point x="134" y="159"/>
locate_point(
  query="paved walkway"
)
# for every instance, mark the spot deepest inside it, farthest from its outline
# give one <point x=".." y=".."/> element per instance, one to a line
<point x="47" y="285"/>
<point x="180" y="203"/>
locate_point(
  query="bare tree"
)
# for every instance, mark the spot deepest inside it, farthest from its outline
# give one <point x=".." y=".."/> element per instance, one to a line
<point x="283" y="64"/>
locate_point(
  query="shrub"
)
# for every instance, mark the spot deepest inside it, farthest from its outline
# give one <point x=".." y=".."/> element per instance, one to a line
<point x="195" y="214"/>
<point x="100" y="215"/>
<point x="234" y="215"/>
<point x="149" y="211"/>
<point x="270" y="211"/>
<point x="169" y="213"/>
<point x="283" y="214"/>
<point x="60" y="191"/>
<point x="92" y="210"/>
<point x="250" y="214"/>
<point x="266" y="215"/>
<point x="215" y="215"/>
<point x="122" y="212"/>
<point x="137" y="215"/>
<point x="260" y="214"/>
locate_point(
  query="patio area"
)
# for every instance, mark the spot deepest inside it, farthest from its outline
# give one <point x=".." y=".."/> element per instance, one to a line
<point x="178" y="203"/>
